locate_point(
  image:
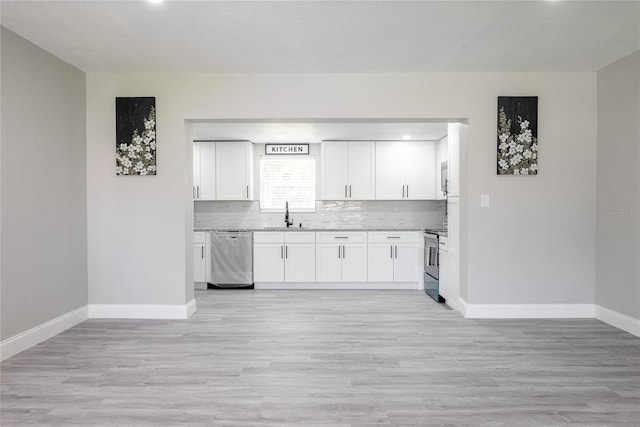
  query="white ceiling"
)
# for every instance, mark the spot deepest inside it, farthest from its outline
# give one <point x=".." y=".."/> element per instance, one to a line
<point x="329" y="36"/>
<point x="317" y="131"/>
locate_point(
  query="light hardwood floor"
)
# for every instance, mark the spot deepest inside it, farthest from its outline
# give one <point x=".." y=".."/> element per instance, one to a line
<point x="271" y="358"/>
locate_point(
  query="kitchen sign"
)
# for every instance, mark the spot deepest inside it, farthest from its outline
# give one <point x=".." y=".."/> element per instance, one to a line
<point x="286" y="149"/>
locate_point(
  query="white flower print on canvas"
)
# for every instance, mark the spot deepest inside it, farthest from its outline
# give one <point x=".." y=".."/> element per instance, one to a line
<point x="135" y="150"/>
<point x="517" y="140"/>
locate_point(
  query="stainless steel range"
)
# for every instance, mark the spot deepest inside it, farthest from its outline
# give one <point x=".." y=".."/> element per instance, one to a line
<point x="432" y="265"/>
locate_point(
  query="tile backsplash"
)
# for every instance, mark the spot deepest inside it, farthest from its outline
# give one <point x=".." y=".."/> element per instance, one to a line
<point x="328" y="214"/>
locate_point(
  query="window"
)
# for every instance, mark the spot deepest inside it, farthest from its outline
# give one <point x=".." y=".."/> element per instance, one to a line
<point x="288" y="179"/>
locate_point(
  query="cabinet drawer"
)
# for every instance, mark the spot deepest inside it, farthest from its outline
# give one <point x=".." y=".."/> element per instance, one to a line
<point x="268" y="237"/>
<point x="300" y="237"/>
<point x="390" y="236"/>
<point x="350" y="236"/>
<point x="199" y="237"/>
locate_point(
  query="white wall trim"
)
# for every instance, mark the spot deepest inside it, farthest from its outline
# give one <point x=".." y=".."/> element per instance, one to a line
<point x="24" y="340"/>
<point x="618" y="320"/>
<point x="191" y="308"/>
<point x="526" y="311"/>
<point x="462" y="307"/>
<point x="142" y="311"/>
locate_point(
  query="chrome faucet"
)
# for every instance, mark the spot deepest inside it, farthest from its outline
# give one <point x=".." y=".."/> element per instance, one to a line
<point x="288" y="221"/>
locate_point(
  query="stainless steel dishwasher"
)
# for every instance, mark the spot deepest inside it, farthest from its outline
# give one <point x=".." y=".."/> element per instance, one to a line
<point x="232" y="258"/>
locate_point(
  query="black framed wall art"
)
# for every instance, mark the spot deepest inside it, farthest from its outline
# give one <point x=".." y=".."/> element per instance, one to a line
<point x="517" y="135"/>
<point x="136" y="136"/>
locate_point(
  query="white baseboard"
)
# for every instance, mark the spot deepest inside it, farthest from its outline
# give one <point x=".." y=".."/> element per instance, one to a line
<point x="618" y="320"/>
<point x="142" y="311"/>
<point x="526" y="311"/>
<point x="191" y="308"/>
<point x="336" y="285"/>
<point x="462" y="307"/>
<point x="17" y="343"/>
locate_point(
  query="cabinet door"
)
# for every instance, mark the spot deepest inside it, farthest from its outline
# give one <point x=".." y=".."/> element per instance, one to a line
<point x="389" y="171"/>
<point x="419" y="170"/>
<point x="333" y="179"/>
<point x="453" y="288"/>
<point x="354" y="262"/>
<point x="362" y="183"/>
<point x="199" y="264"/>
<point x="232" y="171"/>
<point x="328" y="262"/>
<point x="456" y="133"/>
<point x="444" y="274"/>
<point x="268" y="262"/>
<point x="380" y="262"/>
<point x="406" y="262"/>
<point x="300" y="262"/>
<point x="204" y="171"/>
<point x="196" y="169"/>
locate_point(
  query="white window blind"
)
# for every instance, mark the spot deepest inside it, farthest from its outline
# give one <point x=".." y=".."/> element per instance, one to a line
<point x="288" y="179"/>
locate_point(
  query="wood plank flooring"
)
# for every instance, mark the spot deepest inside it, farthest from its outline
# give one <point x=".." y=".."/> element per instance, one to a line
<point x="299" y="358"/>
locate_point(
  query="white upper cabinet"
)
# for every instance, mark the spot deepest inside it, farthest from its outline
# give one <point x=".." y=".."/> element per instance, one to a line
<point x="234" y="171"/>
<point x="347" y="170"/>
<point x="204" y="179"/>
<point x="457" y="132"/>
<point x="334" y="170"/>
<point x="405" y="170"/>
<point x="362" y="179"/>
<point x="419" y="168"/>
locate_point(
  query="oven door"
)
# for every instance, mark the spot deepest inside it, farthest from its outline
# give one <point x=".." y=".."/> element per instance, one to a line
<point x="431" y="255"/>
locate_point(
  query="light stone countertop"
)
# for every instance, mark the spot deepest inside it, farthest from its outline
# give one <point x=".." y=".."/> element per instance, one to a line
<point x="282" y="229"/>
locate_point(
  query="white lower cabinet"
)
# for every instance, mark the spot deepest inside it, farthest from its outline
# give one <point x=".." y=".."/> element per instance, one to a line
<point x="334" y="260"/>
<point x="268" y="262"/>
<point x="341" y="257"/>
<point x="284" y="257"/>
<point x="200" y="260"/>
<point x="299" y="262"/>
<point x="443" y="269"/>
<point x="394" y="257"/>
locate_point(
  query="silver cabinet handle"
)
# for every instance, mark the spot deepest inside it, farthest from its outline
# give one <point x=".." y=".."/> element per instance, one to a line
<point x="286" y="252"/>
<point x="345" y="191"/>
<point x="396" y="251"/>
<point x="341" y="237"/>
<point x="202" y="252"/>
<point x="407" y="191"/>
<point x="339" y="252"/>
<point x="193" y="191"/>
<point x="391" y="251"/>
<point x="198" y="191"/>
<point x="344" y="253"/>
<point x="393" y="237"/>
<point x="350" y="191"/>
<point x="247" y="191"/>
<point x="281" y="252"/>
<point x="403" y="191"/>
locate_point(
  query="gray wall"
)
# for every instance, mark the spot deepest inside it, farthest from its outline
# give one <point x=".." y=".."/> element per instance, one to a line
<point x="534" y="245"/>
<point x="44" y="202"/>
<point x="618" y="187"/>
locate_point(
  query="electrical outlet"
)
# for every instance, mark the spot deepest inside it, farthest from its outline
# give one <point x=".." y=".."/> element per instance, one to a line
<point x="484" y="200"/>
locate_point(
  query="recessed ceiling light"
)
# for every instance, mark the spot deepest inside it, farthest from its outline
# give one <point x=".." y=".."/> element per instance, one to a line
<point x="155" y="1"/>
<point x="406" y="137"/>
